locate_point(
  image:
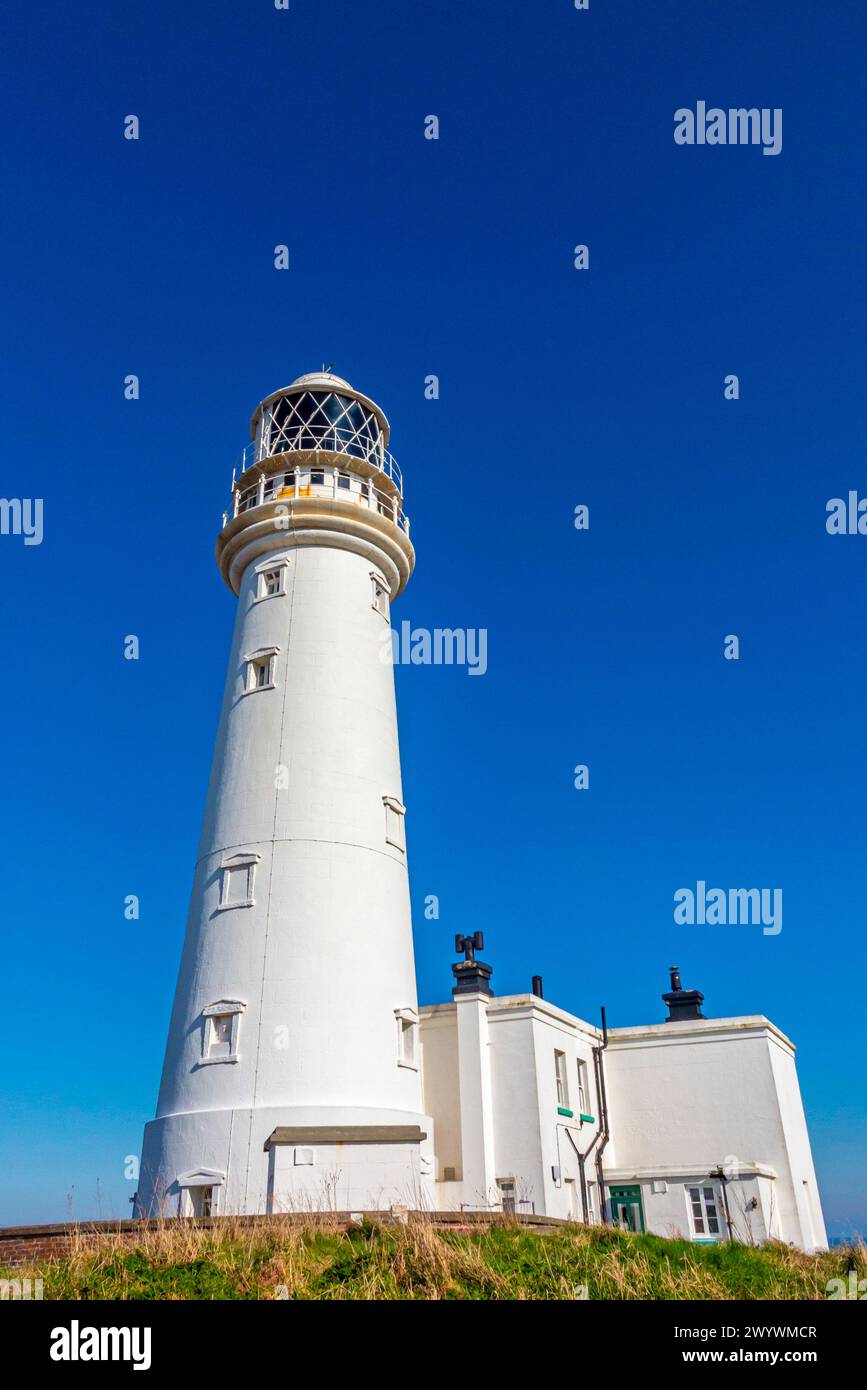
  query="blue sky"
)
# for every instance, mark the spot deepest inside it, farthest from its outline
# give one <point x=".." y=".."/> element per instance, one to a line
<point x="558" y="387"/>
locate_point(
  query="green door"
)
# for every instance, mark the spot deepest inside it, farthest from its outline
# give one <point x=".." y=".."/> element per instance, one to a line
<point x="626" y="1209"/>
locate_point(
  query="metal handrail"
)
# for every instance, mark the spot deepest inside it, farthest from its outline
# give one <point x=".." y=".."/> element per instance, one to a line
<point x="333" y="482"/>
<point x="334" y="439"/>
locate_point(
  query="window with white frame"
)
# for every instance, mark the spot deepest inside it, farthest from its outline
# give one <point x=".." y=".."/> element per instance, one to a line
<point x="583" y="1089"/>
<point x="259" y="669"/>
<point x="704" y="1210"/>
<point x="407" y="1038"/>
<point x="237" y="881"/>
<point x="222" y="1022"/>
<point x="395" y="812"/>
<point x="562" y="1081"/>
<point x="379" y="600"/>
<point x="270" y="580"/>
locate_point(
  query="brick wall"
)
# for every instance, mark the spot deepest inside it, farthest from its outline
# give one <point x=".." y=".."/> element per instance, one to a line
<point x="25" y="1245"/>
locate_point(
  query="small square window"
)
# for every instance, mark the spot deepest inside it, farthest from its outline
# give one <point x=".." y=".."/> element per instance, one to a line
<point x="220" y="1032"/>
<point x="270" y="582"/>
<point x="220" y="1044"/>
<point x="259" y="669"/>
<point x="343" y="481"/>
<point x="394" y="823"/>
<point x="237" y="877"/>
<point x="379" y="599"/>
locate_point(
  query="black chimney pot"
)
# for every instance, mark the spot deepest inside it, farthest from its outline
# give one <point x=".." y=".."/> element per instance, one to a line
<point x="683" y="1004"/>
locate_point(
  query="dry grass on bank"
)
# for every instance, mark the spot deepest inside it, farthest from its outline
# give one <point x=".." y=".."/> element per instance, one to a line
<point x="421" y="1261"/>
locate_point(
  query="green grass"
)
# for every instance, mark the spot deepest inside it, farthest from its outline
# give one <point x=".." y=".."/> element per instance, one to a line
<point x="421" y="1261"/>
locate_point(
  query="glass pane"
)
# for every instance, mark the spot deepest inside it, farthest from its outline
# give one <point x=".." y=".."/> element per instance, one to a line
<point x="333" y="407"/>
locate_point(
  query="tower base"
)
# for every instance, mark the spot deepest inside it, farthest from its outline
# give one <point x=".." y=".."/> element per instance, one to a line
<point x="285" y="1159"/>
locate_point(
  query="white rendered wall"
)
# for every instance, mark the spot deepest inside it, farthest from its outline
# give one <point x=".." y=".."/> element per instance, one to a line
<point x="683" y="1099"/>
<point x="442" y="1096"/>
<point x="689" y="1097"/>
<point x="532" y="1139"/>
<point x="519" y="1134"/>
<point x="324" y="957"/>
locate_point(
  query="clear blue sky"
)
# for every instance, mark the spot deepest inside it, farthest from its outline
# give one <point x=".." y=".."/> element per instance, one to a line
<point x="558" y="387"/>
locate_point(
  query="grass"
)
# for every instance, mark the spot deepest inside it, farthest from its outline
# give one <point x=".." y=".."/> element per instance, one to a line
<point x="421" y="1261"/>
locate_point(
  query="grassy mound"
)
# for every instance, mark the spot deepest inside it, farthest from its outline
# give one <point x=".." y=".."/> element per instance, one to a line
<point x="419" y="1260"/>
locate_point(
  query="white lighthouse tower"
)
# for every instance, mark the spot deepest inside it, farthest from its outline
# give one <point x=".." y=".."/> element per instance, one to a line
<point x="291" y="1075"/>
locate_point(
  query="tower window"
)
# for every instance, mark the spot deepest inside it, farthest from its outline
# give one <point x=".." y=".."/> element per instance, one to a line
<point x="237" y="876"/>
<point x="220" y="1032"/>
<point x="259" y="668"/>
<point x="407" y="1038"/>
<point x="379" y="599"/>
<point x="270" y="581"/>
<point x="394" y="827"/>
<point x="704" y="1210"/>
<point x="561" y="1078"/>
<point x="221" y="1035"/>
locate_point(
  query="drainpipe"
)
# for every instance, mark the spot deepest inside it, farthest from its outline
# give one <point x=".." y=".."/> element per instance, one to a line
<point x="724" y="1183"/>
<point x="581" y="1159"/>
<point x="603" y="1116"/>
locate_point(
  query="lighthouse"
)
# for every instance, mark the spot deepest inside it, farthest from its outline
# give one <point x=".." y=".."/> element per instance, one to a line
<point x="291" y="1075"/>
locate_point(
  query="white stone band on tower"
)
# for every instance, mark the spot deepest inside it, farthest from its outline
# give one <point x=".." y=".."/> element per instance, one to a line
<point x="291" y="1074"/>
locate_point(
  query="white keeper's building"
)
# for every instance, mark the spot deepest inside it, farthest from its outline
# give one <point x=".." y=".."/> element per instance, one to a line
<point x="300" y="1072"/>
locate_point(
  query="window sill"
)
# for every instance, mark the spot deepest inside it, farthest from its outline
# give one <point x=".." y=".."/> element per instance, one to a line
<point x="213" y="1061"/>
<point x="561" y="1110"/>
<point x="262" y="598"/>
<point x="586" y="1119"/>
<point x="257" y="689"/>
<point x="230" y="907"/>
<point x="408" y="1066"/>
